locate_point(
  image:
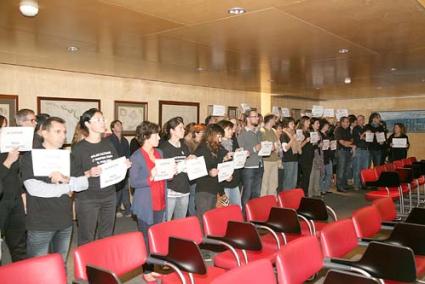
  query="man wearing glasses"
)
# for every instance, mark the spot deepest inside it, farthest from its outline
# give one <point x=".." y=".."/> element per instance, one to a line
<point x="252" y="174"/>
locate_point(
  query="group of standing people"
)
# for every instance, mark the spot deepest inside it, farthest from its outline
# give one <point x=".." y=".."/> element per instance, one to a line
<point x="302" y="156"/>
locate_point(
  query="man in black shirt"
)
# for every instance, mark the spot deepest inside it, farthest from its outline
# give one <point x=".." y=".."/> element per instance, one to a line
<point x="361" y="154"/>
<point x="344" y="147"/>
<point x="120" y="144"/>
<point x="49" y="205"/>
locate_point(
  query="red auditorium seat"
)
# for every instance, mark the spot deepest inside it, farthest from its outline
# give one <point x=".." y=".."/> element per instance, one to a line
<point x="260" y="271"/>
<point x="47" y="269"/>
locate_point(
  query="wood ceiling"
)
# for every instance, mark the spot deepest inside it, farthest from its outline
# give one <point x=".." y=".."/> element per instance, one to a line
<point x="287" y="47"/>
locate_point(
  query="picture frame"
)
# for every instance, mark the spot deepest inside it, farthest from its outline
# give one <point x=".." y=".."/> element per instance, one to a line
<point x="232" y="112"/>
<point x="69" y="109"/>
<point x="9" y="107"/>
<point x="131" y="114"/>
<point x="189" y="111"/>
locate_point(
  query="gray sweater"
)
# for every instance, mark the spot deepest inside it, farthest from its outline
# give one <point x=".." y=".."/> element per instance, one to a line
<point x="247" y="139"/>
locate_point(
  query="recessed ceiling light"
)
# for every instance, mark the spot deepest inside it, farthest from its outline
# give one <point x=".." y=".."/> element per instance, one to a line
<point x="379" y="88"/>
<point x="343" y="51"/>
<point x="200" y="69"/>
<point x="73" y="48"/>
<point x="29" y="8"/>
<point x="393" y="69"/>
<point x="271" y="80"/>
<point x="347" y="80"/>
<point x="423" y="80"/>
<point x="236" y="11"/>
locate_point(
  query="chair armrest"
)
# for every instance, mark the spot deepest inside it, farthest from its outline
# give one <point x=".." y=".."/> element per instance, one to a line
<point x="241" y="235"/>
<point x="416" y="216"/>
<point x="272" y="230"/>
<point x="217" y="241"/>
<point x="183" y="254"/>
<point x="80" y="281"/>
<point x="409" y="235"/>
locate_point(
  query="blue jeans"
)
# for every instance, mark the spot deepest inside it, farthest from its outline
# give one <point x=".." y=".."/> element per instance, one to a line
<point x="326" y="181"/>
<point x="234" y="195"/>
<point x="38" y="242"/>
<point x="360" y="162"/>
<point x="290" y="175"/>
<point x="375" y="157"/>
<point x="251" y="181"/>
<point x="177" y="207"/>
<point x="192" y="207"/>
<point x="123" y="196"/>
<point x="342" y="169"/>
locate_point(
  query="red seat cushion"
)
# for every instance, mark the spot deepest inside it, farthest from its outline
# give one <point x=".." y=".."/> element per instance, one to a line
<point x="373" y="195"/>
<point x="420" y="265"/>
<point x="226" y="259"/>
<point x="213" y="272"/>
<point x="248" y="274"/>
<point x="386" y="208"/>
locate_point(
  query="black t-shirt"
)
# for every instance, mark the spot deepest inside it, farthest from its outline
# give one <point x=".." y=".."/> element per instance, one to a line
<point x="373" y="128"/>
<point x="343" y="134"/>
<point x="398" y="153"/>
<point x="357" y="132"/>
<point x="307" y="153"/>
<point x="45" y="214"/>
<point x="288" y="156"/>
<point x="209" y="183"/>
<point x="180" y="182"/>
<point x="86" y="155"/>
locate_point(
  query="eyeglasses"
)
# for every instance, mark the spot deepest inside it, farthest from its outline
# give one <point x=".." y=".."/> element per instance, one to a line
<point x="97" y="119"/>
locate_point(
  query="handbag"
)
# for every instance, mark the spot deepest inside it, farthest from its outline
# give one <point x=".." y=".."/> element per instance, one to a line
<point x="222" y="201"/>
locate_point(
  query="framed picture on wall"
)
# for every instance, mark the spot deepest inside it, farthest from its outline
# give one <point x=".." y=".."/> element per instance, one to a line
<point x="189" y="111"/>
<point x="130" y="114"/>
<point x="232" y="112"/>
<point x="9" y="107"/>
<point x="68" y="109"/>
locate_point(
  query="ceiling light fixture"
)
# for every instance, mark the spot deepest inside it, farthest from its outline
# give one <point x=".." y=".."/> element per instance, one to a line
<point x="393" y="69"/>
<point x="29" y="8"/>
<point x="200" y="69"/>
<point x="347" y="80"/>
<point x="343" y="51"/>
<point x="72" y="48"/>
<point x="236" y="11"/>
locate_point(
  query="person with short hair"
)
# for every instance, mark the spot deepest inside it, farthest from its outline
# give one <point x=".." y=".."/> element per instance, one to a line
<point x="122" y="147"/>
<point x="345" y="147"/>
<point x="290" y="151"/>
<point x="49" y="214"/>
<point x="149" y="199"/>
<point x="376" y="148"/>
<point x="361" y="155"/>
<point x="271" y="163"/>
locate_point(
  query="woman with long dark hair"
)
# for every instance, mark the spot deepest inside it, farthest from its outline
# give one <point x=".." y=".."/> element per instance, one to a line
<point x="305" y="161"/>
<point x="399" y="132"/>
<point x="95" y="206"/>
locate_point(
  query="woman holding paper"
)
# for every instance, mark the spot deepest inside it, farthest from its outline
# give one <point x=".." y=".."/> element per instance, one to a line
<point x="231" y="188"/>
<point x="290" y="151"/>
<point x="207" y="187"/>
<point x="95" y="207"/>
<point x="307" y="155"/>
<point x="328" y="156"/>
<point x="178" y="188"/>
<point x="317" y="164"/>
<point x="399" y="143"/>
<point x="149" y="200"/>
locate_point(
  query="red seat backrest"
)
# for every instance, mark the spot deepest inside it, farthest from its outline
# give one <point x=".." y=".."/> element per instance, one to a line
<point x="412" y="159"/>
<point x="380" y="169"/>
<point x="260" y="271"/>
<point x="186" y="228"/>
<point x="215" y="220"/>
<point x="390" y="167"/>
<point x="48" y="269"/>
<point x="369" y="175"/>
<point x="299" y="260"/>
<point x="290" y="198"/>
<point x="258" y="209"/>
<point x="367" y="221"/>
<point x="386" y="208"/>
<point x="399" y="163"/>
<point x="338" y="238"/>
<point x="120" y="254"/>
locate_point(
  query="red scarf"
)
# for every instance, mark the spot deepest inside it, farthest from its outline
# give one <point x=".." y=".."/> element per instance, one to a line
<point x="157" y="187"/>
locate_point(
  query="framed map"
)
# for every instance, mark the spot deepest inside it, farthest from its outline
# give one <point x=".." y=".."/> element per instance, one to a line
<point x="9" y="107"/>
<point x="68" y="109"/>
<point x="187" y="110"/>
<point x="130" y="114"/>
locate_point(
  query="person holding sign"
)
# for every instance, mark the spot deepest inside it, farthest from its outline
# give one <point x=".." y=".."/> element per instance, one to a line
<point x="252" y="173"/>
<point x="361" y="155"/>
<point x="207" y="187"/>
<point x="328" y="156"/>
<point x="290" y="151"/>
<point x="344" y="152"/>
<point x="149" y="200"/>
<point x="317" y="165"/>
<point x="231" y="189"/>
<point x="307" y="155"/>
<point x="95" y="207"/>
<point x="399" y="143"/>
<point x="178" y="188"/>
<point x="376" y="148"/>
<point x="271" y="162"/>
<point x="49" y="203"/>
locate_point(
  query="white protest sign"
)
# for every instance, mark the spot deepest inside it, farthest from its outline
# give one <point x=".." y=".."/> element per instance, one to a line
<point x="16" y="137"/>
<point x="47" y="161"/>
